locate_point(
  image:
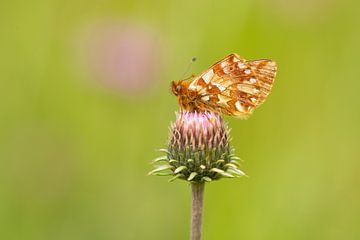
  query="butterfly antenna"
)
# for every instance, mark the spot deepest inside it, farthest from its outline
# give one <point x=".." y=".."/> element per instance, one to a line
<point x="193" y="59"/>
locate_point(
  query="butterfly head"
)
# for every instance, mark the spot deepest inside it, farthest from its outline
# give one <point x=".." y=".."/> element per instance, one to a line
<point x="177" y="87"/>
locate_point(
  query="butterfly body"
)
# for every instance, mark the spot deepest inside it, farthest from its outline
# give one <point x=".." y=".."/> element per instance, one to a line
<point x="232" y="86"/>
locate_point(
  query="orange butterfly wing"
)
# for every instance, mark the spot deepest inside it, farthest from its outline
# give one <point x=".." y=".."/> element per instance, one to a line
<point x="234" y="86"/>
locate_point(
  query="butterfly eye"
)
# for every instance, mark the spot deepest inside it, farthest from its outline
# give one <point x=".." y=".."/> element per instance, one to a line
<point x="178" y="88"/>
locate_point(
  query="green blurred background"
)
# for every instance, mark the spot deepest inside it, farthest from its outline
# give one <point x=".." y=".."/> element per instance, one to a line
<point x="85" y="101"/>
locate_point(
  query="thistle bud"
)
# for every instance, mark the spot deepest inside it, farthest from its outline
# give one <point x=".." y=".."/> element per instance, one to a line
<point x="198" y="149"/>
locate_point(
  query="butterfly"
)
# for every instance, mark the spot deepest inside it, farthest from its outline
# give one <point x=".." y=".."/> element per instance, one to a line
<point x="233" y="86"/>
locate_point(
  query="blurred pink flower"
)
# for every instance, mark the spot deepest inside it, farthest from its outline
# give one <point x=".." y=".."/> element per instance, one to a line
<point x="122" y="56"/>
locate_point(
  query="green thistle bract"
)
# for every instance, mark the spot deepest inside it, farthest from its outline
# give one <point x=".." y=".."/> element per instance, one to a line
<point x="198" y="149"/>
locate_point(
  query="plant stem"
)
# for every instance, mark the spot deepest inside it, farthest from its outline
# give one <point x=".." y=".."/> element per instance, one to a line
<point x="196" y="211"/>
